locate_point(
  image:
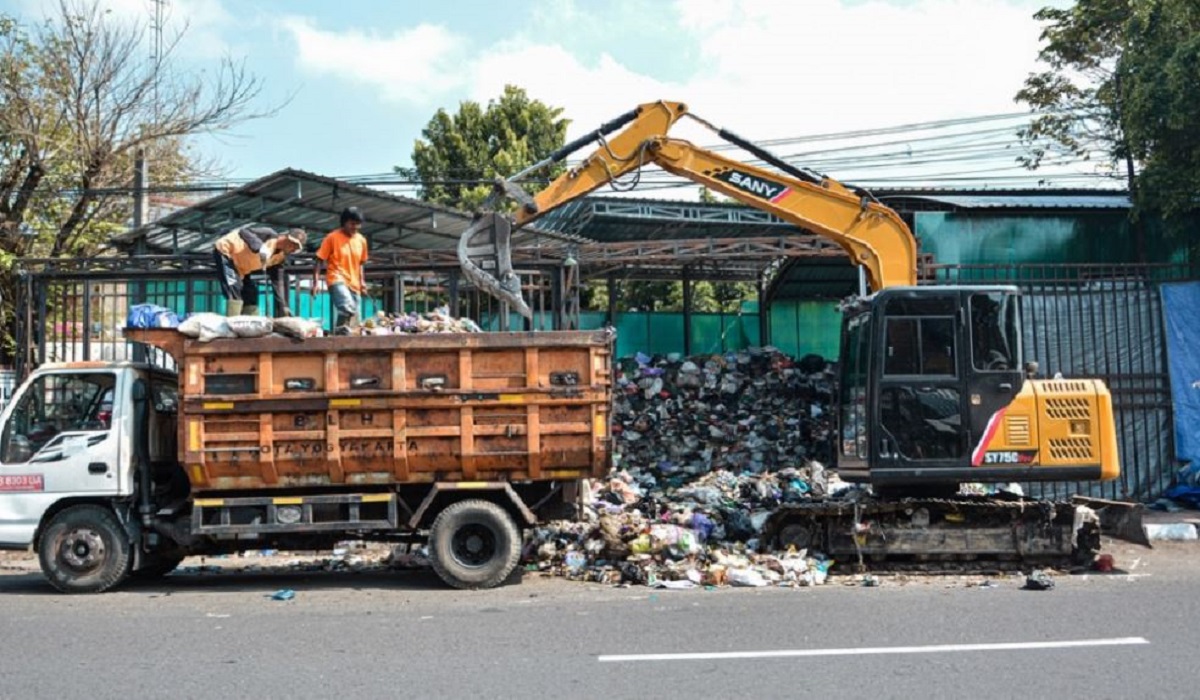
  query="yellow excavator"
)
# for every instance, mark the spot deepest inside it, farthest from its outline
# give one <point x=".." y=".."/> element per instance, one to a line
<point x="933" y="391"/>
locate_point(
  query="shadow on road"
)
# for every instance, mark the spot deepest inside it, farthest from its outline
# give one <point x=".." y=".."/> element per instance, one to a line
<point x="242" y="581"/>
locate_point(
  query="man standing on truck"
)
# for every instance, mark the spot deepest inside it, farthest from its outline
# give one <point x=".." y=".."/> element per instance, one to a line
<point x="249" y="249"/>
<point x="344" y="251"/>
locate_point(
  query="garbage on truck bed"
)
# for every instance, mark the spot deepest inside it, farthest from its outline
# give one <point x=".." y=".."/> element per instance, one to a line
<point x="705" y="448"/>
<point x="210" y="326"/>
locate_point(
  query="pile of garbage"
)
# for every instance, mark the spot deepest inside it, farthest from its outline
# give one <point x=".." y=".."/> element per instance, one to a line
<point x="436" y="321"/>
<point x="705" y="449"/>
<point x="210" y="326"/>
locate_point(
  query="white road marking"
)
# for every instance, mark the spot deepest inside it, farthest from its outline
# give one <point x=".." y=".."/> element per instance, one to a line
<point x="876" y="651"/>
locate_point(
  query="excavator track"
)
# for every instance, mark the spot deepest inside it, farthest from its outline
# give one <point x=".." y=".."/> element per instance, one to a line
<point x="963" y="535"/>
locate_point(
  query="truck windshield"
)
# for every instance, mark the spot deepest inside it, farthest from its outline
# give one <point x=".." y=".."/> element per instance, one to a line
<point x="54" y="405"/>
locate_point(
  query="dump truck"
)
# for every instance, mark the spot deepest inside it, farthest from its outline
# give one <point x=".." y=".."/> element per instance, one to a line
<point x="458" y="440"/>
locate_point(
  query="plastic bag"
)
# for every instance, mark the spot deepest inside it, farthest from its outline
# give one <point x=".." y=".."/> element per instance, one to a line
<point x="250" y="326"/>
<point x="746" y="578"/>
<point x="206" y="327"/>
<point x="151" y="316"/>
<point x="295" y="327"/>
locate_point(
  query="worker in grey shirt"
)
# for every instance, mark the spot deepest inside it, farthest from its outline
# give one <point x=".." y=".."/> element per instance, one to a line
<point x="249" y="249"/>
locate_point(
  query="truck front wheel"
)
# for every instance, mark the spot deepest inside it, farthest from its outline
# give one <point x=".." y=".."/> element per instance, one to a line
<point x="84" y="550"/>
<point x="475" y="544"/>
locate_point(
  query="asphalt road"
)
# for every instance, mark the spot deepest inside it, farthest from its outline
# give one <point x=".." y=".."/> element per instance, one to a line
<point x="401" y="634"/>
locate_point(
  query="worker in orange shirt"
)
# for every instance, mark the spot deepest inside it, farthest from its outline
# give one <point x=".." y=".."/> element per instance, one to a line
<point x="343" y="252"/>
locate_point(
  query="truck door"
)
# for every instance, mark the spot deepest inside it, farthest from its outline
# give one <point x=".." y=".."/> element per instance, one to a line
<point x="57" y="440"/>
<point x="920" y="400"/>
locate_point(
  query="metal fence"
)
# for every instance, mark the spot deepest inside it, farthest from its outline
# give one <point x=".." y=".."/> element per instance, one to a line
<point x="75" y="310"/>
<point x="1102" y="321"/>
<point x="1105" y="322"/>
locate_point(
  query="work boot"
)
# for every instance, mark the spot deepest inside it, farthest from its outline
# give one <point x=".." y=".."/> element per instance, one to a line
<point x="233" y="307"/>
<point x="249" y="310"/>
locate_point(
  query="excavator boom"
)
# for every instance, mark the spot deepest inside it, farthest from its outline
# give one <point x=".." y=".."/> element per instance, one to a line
<point x="872" y="235"/>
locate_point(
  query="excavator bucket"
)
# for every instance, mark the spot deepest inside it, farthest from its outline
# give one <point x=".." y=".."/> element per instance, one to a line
<point x="1118" y="518"/>
<point x="485" y="255"/>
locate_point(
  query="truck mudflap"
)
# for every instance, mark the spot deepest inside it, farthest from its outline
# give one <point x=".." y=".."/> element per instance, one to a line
<point x="932" y="535"/>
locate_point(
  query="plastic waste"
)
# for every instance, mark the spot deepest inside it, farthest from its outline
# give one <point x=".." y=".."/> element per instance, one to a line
<point x="206" y="327"/>
<point x="283" y="594"/>
<point x="745" y="577"/>
<point x="295" y="327"/>
<point x="575" y="561"/>
<point x="1038" y="580"/>
<point x="250" y="326"/>
<point x="151" y="316"/>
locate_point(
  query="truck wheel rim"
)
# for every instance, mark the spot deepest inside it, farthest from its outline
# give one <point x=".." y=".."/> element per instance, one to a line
<point x="83" y="549"/>
<point x="474" y="545"/>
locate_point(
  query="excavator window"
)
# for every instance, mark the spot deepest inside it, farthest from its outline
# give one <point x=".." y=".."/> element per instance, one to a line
<point x="926" y="422"/>
<point x="854" y="386"/>
<point x="920" y="346"/>
<point x="995" y="330"/>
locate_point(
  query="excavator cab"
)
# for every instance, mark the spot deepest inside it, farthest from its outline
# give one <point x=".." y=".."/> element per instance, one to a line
<point x="923" y="372"/>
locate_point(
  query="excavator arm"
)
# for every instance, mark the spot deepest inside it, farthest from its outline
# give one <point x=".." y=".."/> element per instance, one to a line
<point x="872" y="234"/>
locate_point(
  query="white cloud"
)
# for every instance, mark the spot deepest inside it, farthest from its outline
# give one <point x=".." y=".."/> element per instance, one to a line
<point x="794" y="68"/>
<point x="763" y="68"/>
<point x="415" y="65"/>
<point x="767" y="69"/>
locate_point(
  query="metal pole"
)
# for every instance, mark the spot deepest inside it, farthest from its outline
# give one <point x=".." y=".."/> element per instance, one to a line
<point x="764" y="316"/>
<point x="687" y="312"/>
<point x="140" y="178"/>
<point x="612" y="300"/>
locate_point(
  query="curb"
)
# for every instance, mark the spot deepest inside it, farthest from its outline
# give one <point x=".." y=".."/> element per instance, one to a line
<point x="1177" y="531"/>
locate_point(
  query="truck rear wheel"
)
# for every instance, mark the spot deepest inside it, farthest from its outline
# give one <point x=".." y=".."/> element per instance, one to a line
<point x="84" y="549"/>
<point x="475" y="544"/>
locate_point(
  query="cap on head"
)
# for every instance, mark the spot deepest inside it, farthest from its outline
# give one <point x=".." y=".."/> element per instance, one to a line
<point x="351" y="214"/>
<point x="297" y="236"/>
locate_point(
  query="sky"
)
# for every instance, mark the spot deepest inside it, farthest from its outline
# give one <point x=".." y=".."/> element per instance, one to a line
<point x="356" y="80"/>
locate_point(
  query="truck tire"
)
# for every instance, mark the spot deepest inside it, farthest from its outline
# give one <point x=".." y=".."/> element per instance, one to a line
<point x="475" y="544"/>
<point x="84" y="549"/>
<point x="157" y="565"/>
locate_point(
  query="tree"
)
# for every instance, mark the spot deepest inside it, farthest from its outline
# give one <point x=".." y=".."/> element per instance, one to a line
<point x="1121" y="81"/>
<point x="462" y="153"/>
<point x="80" y="97"/>
<point x="1076" y="100"/>
<point x="1158" y="73"/>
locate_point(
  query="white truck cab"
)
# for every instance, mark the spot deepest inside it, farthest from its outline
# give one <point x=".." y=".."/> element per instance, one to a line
<point x="67" y="440"/>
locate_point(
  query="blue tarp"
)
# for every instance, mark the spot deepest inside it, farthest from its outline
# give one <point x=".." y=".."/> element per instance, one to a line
<point x="1181" y="307"/>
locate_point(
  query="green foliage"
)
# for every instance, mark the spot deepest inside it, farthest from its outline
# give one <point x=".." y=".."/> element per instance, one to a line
<point x="1158" y="76"/>
<point x="1075" y="99"/>
<point x="80" y="99"/>
<point x="1121" y="81"/>
<point x="667" y="296"/>
<point x="460" y="154"/>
